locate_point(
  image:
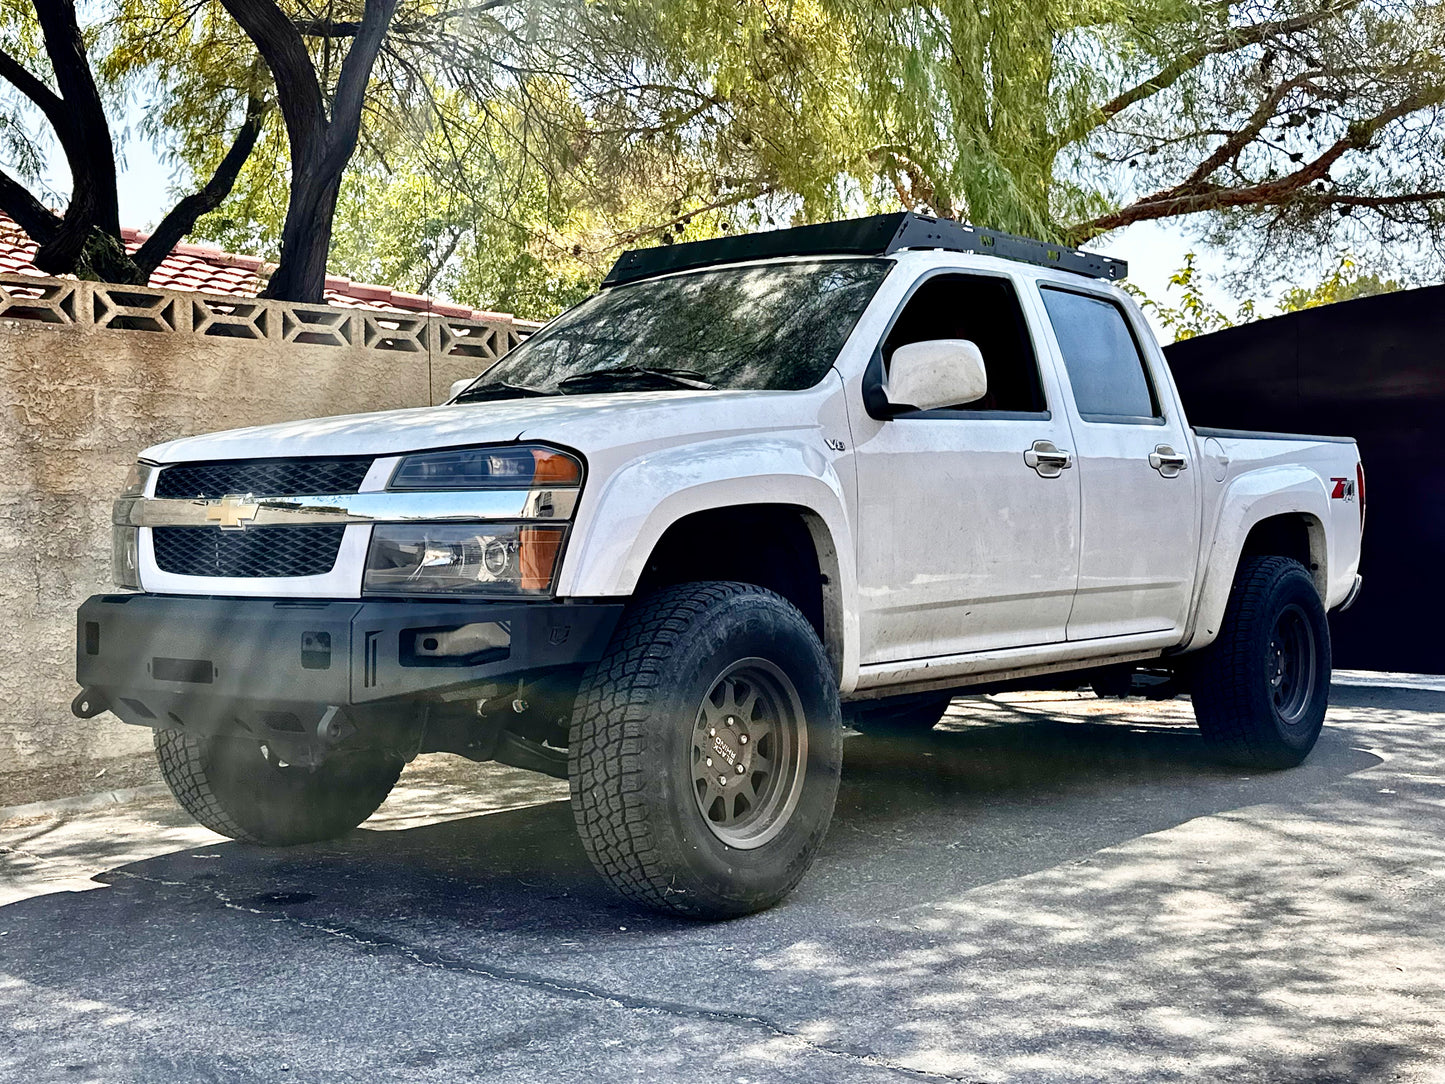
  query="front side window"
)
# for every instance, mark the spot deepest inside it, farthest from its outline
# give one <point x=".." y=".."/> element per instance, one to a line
<point x="1102" y="357"/>
<point x="985" y="310"/>
<point x="775" y="326"/>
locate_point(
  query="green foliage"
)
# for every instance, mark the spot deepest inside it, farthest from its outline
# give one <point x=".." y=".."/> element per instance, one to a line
<point x="1195" y="315"/>
<point x="1346" y="283"/>
<point x="510" y="150"/>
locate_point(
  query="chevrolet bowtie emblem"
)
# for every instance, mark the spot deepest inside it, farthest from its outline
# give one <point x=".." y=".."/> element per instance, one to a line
<point x="232" y="512"/>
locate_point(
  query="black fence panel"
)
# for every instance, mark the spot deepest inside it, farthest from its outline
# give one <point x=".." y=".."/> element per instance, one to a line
<point x="1373" y="369"/>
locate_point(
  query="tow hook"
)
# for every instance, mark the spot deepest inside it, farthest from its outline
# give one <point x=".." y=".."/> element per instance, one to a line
<point x="89" y="704"/>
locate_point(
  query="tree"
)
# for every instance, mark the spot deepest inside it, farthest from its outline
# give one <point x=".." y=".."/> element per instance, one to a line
<point x="1071" y="118"/>
<point x="504" y="150"/>
<point x="322" y="136"/>
<point x="508" y="155"/>
<point x="86" y="238"/>
<point x="1275" y="123"/>
<point x="1196" y="315"/>
<point x="1346" y="283"/>
<point x="182" y="45"/>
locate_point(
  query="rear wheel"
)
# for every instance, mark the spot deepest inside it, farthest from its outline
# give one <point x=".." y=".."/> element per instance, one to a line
<point x="1262" y="688"/>
<point x="1113" y="683"/>
<point x="915" y="714"/>
<point x="705" y="750"/>
<point x="239" y="788"/>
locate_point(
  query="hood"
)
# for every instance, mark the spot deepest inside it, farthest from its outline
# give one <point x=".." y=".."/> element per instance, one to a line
<point x="583" y="422"/>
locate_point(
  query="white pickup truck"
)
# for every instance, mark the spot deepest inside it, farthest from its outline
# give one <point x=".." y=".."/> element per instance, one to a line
<point x="754" y="488"/>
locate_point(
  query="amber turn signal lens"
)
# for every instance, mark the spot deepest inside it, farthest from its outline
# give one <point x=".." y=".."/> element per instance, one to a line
<point x="540" y="547"/>
<point x="555" y="469"/>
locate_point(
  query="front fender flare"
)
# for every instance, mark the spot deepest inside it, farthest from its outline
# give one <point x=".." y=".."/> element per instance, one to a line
<point x="620" y="524"/>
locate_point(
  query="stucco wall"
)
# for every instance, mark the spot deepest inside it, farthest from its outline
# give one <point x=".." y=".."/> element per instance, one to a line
<point x="89" y="375"/>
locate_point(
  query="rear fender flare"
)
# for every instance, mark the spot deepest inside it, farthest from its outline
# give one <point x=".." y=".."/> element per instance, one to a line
<point x="1248" y="501"/>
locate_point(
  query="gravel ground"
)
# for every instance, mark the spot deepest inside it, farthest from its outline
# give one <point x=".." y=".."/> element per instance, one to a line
<point x="1044" y="889"/>
<point x="55" y="781"/>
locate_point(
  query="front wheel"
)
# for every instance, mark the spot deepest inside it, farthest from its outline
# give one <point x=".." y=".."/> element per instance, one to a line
<point x="237" y="787"/>
<point x="705" y="751"/>
<point x="1261" y="689"/>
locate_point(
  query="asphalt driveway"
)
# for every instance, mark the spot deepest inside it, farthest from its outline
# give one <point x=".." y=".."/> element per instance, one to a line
<point x="1045" y="890"/>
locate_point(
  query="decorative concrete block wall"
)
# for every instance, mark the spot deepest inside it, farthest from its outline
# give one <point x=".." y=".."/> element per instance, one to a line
<point x="90" y="374"/>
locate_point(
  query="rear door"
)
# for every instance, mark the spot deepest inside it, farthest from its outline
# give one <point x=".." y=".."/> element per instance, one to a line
<point x="967" y="542"/>
<point x="1139" y="540"/>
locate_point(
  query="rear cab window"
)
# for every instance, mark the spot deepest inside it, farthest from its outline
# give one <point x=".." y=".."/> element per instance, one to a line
<point x="1102" y="357"/>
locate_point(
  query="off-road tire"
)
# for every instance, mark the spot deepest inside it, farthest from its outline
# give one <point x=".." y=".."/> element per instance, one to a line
<point x="900" y="715"/>
<point x="634" y="756"/>
<point x="1240" y="681"/>
<point x="228" y="786"/>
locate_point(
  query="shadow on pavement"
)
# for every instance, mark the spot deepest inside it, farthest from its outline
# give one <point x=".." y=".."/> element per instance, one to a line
<point x="961" y="920"/>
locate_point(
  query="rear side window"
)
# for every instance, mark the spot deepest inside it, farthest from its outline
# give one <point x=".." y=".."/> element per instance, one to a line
<point x="1102" y="358"/>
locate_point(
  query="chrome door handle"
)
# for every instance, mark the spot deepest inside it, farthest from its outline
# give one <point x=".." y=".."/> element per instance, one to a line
<point x="1167" y="461"/>
<point x="1050" y="461"/>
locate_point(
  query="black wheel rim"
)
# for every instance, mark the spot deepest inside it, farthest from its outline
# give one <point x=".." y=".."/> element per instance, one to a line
<point x="749" y="753"/>
<point x="1293" y="665"/>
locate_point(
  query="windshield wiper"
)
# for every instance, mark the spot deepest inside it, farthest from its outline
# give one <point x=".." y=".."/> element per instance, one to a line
<point x="500" y="389"/>
<point x="680" y="378"/>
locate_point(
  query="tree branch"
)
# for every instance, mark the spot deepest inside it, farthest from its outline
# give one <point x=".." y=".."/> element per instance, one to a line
<point x="1238" y="140"/>
<point x="1234" y="40"/>
<point x="33" y="88"/>
<point x="298" y="92"/>
<point x="38" y="221"/>
<point x="1194" y="195"/>
<point x="212" y="194"/>
<point x="350" y="28"/>
<point x="352" y="82"/>
<point x="84" y="134"/>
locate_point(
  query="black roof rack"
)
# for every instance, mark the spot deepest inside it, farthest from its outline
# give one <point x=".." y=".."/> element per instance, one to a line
<point x="874" y="236"/>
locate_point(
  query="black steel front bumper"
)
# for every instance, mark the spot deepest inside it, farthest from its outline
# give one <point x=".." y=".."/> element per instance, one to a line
<point x="206" y="663"/>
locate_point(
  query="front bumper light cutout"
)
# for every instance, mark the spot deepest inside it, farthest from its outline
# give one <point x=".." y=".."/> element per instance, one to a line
<point x="125" y="557"/>
<point x="477" y="559"/>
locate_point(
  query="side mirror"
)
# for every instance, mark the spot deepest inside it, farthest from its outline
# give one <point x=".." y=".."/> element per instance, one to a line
<point x="459" y="386"/>
<point x="936" y="373"/>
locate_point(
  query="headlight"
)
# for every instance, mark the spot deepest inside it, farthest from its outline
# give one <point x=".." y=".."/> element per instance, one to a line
<point x="135" y="481"/>
<point x="511" y="466"/>
<point x="486" y="559"/>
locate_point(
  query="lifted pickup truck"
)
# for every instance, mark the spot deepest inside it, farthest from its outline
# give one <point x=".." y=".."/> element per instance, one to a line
<point x="753" y="488"/>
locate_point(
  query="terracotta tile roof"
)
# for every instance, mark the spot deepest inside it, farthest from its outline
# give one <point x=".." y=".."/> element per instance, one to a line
<point x="211" y="270"/>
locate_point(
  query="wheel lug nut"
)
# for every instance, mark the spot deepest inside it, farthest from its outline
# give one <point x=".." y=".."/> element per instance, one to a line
<point x="712" y="732"/>
<point x="740" y="769"/>
<point x="722" y="780"/>
<point x="709" y="762"/>
<point x="732" y="721"/>
<point x="743" y="739"/>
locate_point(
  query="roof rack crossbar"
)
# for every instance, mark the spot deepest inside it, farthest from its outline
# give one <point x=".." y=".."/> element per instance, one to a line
<point x="877" y="235"/>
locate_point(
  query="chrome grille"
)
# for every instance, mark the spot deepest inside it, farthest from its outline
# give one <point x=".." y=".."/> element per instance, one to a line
<point x="250" y="554"/>
<point x="263" y="478"/>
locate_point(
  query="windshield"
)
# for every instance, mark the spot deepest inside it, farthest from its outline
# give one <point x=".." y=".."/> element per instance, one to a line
<point x="772" y="326"/>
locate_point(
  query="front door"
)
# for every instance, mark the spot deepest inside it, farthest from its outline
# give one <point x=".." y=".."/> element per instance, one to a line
<point x="969" y="517"/>
<point x="1140" y="536"/>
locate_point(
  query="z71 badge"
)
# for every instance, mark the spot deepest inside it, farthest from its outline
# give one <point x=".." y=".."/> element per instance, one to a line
<point x="1344" y="489"/>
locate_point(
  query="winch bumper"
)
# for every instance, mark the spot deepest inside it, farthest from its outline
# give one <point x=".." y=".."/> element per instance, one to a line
<point x="203" y="663"/>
